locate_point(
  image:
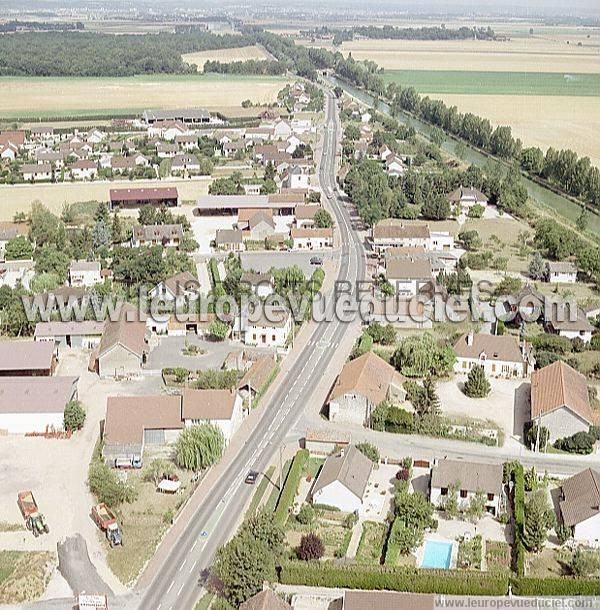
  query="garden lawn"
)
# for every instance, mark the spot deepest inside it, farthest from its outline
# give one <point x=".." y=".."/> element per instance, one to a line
<point x="370" y="547"/>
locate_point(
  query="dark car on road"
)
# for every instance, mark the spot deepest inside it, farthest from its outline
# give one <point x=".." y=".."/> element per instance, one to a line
<point x="316" y="260"/>
<point x="251" y="477"/>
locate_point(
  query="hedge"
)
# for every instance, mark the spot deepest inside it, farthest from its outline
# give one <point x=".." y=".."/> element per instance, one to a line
<point x="527" y="586"/>
<point x="443" y="582"/>
<point x="290" y="487"/>
<point x="518" y="477"/>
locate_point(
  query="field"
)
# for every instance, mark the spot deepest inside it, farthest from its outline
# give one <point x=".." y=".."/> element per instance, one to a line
<point x="544" y="121"/>
<point x="225" y="55"/>
<point x="497" y="83"/>
<point x="67" y="97"/>
<point x="18" y="198"/>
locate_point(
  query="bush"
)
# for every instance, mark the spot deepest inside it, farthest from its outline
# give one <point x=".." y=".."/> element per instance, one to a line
<point x="106" y="486"/>
<point x="218" y="330"/>
<point x="369" y="451"/>
<point x="536" y="587"/>
<point x="311" y="547"/>
<point x="290" y="487"/>
<point x="199" y="447"/>
<point x="306" y="514"/>
<point x="477" y="385"/>
<point x="476" y="211"/>
<point x="74" y="416"/>
<point x="446" y="582"/>
<point x="552" y="343"/>
<point x="581" y="443"/>
<point x="595" y="342"/>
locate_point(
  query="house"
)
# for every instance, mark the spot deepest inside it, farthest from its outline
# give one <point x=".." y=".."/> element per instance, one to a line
<point x="265" y="600"/>
<point x="85" y="334"/>
<point x="325" y="441"/>
<point x="94" y="137"/>
<point x="139" y="197"/>
<point x="166" y="150"/>
<point x="311" y="239"/>
<point x="409" y="276"/>
<point x="296" y="177"/>
<point x="260" y="226"/>
<point x="84" y="273"/>
<point x="123" y="346"/>
<point x="55" y="158"/>
<point x="187" y="141"/>
<point x="252" y="189"/>
<point x="230" y="240"/>
<point x="26" y="359"/>
<point x="305" y="215"/>
<point x="231" y="149"/>
<point x="167" y="236"/>
<point x="261" y="284"/>
<point x="134" y="422"/>
<point x="394" y="166"/>
<point x="266" y="326"/>
<point x="467" y="197"/>
<point x="122" y="164"/>
<point x="182" y="163"/>
<point x="36" y="172"/>
<point x="13" y="273"/>
<point x="579" y="506"/>
<point x="83" y="169"/>
<point x="562" y="272"/>
<point x="41" y="132"/>
<point x="439" y="260"/>
<point x="187" y="116"/>
<point x="499" y="355"/>
<point x="34" y="404"/>
<point x="167" y="130"/>
<point x="7" y="232"/>
<point x="468" y="478"/>
<point x="343" y="480"/>
<point x="8" y="152"/>
<point x="223" y="408"/>
<point x="401" y="312"/>
<point x="560" y="400"/>
<point x="179" y="289"/>
<point x="385" y="235"/>
<point x="385" y="600"/>
<point x="592" y="311"/>
<point x="362" y="384"/>
<point x="257" y="377"/>
<point x="281" y="130"/>
<point x="560" y="323"/>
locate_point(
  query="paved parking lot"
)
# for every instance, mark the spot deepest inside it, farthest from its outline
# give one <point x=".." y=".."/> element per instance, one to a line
<point x="263" y="261"/>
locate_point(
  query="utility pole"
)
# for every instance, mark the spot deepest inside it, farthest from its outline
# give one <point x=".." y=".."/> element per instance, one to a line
<point x="280" y="467"/>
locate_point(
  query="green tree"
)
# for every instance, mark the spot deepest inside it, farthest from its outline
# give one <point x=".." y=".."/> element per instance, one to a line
<point x="199" y="447"/>
<point x="539" y="518"/>
<point x="436" y="207"/>
<point x="311" y="547"/>
<point x="18" y="248"/>
<point x="419" y="355"/>
<point x="323" y="219"/>
<point x="477" y="385"/>
<point x="74" y="416"/>
<point x="105" y="484"/>
<point x="451" y="502"/>
<point x="219" y="330"/>
<point x="538" y="267"/>
<point x="414" y="509"/>
<point x="476" y="508"/>
<point x="585" y="562"/>
<point x="369" y="450"/>
<point x="306" y="515"/>
<point x="158" y="469"/>
<point x="49" y="259"/>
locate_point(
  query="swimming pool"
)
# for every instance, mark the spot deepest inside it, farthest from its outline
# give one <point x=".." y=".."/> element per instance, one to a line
<point x="437" y="554"/>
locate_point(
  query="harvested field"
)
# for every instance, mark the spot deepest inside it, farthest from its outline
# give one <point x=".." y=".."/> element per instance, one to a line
<point x="544" y="121"/>
<point x="516" y="55"/>
<point x="24" y="575"/>
<point x="225" y="55"/>
<point x="18" y="198"/>
<point x="70" y="97"/>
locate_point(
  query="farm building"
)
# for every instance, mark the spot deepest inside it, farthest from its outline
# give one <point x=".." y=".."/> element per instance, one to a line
<point x="325" y="442"/>
<point x="343" y="480"/>
<point x="138" y="197"/>
<point x="222" y="408"/>
<point x="257" y="376"/>
<point x="26" y="359"/>
<point x="123" y="346"/>
<point x="189" y="116"/>
<point x="230" y="205"/>
<point x="37" y="404"/>
<point x="85" y="334"/>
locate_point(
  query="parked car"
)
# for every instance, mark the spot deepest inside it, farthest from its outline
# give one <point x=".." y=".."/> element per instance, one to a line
<point x="316" y="260"/>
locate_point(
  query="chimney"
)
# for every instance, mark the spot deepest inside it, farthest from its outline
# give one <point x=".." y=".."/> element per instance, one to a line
<point x="470" y="337"/>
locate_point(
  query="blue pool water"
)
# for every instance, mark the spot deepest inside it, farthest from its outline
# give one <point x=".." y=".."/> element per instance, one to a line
<point x="437" y="554"/>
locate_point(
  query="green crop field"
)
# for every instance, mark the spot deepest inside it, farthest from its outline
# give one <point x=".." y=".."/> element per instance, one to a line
<point x="496" y="83"/>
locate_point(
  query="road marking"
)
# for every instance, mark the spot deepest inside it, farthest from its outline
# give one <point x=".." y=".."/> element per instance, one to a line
<point x="171" y="586"/>
<point x="180" y="590"/>
<point x="181" y="566"/>
<point x="194" y="566"/>
<point x="195" y="543"/>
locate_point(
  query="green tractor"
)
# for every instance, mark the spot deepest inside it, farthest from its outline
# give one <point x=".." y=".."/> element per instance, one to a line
<point x="37" y="524"/>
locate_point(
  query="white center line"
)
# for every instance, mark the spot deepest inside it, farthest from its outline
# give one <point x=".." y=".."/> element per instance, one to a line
<point x="171" y="586"/>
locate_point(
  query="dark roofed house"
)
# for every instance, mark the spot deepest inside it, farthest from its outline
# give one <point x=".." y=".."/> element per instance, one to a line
<point x="386" y="600"/>
<point x="138" y="197"/>
<point x="579" y="505"/>
<point x="265" y="600"/>
<point x="157" y="235"/>
<point x="26" y="359"/>
<point x="560" y="401"/>
<point x="123" y="347"/>
<point x="257" y="377"/>
<point x="469" y="478"/>
<point x="229" y="239"/>
<point x="343" y="480"/>
<point x="179" y="288"/>
<point x="467" y="197"/>
<point x="222" y="408"/>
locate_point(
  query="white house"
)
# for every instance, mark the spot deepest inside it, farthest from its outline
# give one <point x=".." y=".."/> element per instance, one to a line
<point x="296" y="177"/>
<point x="580" y="327"/>
<point x="394" y="166"/>
<point x="179" y="289"/>
<point x="185" y="163"/>
<point x="562" y="273"/>
<point x="500" y="356"/>
<point x="385" y="235"/>
<point x="36" y="172"/>
<point x="579" y="505"/>
<point x="266" y="326"/>
<point x="343" y="480"/>
<point x="466" y="479"/>
<point x="261" y="284"/>
<point x="304" y="215"/>
<point x="312" y="239"/>
<point x="167" y="236"/>
<point x="83" y="169"/>
<point x="94" y="137"/>
<point x="14" y="272"/>
<point x="223" y="408"/>
<point x="8" y="151"/>
<point x="282" y="130"/>
<point x="467" y="197"/>
<point x="409" y="276"/>
<point x="362" y="384"/>
<point x="84" y="273"/>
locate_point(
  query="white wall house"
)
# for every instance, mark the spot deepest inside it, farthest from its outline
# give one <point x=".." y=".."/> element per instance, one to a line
<point x="179" y="289"/>
<point x="269" y="327"/>
<point x="579" y="505"/>
<point x="312" y="239"/>
<point x="385" y="235"/>
<point x="565" y="273"/>
<point x="37" y="172"/>
<point x="84" y="273"/>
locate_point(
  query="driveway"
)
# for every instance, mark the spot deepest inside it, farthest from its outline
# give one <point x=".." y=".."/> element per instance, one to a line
<point x="506" y="404"/>
<point x="169" y="353"/>
<point x="261" y="262"/>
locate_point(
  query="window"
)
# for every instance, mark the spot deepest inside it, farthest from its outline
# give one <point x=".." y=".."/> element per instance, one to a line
<point x="444" y="491"/>
<point x="463" y="493"/>
<point x="490" y="497"/>
<point x="464" y="364"/>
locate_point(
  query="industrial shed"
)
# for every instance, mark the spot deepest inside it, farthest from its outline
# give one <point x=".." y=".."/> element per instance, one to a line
<point x="26" y="359"/>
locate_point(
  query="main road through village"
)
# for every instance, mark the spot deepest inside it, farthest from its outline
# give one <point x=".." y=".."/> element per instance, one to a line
<point x="177" y="585"/>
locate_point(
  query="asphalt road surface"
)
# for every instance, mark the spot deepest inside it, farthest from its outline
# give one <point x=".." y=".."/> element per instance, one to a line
<point x="178" y="585"/>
